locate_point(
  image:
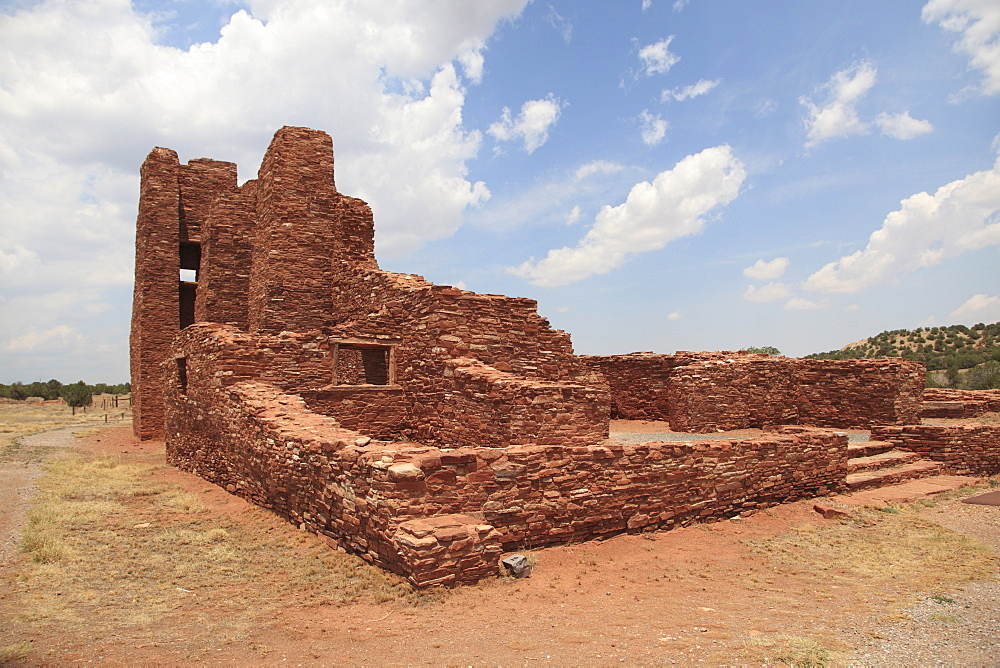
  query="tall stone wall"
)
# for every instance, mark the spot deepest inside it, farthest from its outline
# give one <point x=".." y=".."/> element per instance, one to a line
<point x="703" y="392"/>
<point x="174" y="201"/>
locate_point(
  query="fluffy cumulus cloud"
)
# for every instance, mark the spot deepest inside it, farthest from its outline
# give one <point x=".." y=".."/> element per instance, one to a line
<point x="977" y="25"/>
<point x="766" y="270"/>
<point x="675" y="204"/>
<point x="657" y="58"/>
<point x="978" y="308"/>
<point x="532" y="124"/>
<point x="902" y="126"/>
<point x="961" y="216"/>
<point x="88" y="88"/>
<point x="836" y="116"/>
<point x="652" y="128"/>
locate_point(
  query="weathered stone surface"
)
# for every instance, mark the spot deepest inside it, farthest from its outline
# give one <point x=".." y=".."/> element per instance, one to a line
<point x="704" y="392"/>
<point x="424" y="427"/>
<point x="963" y="449"/>
<point x="942" y="402"/>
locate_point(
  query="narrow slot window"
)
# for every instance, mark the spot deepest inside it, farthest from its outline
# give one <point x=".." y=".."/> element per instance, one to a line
<point x="182" y="375"/>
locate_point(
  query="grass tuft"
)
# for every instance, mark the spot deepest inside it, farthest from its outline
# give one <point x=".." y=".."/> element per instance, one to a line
<point x="15" y="652"/>
<point x="790" y="650"/>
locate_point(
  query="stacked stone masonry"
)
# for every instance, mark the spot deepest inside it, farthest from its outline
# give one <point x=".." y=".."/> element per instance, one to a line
<point x="429" y="428"/>
<point x="949" y="403"/>
<point x="964" y="449"/>
<point x="705" y="392"/>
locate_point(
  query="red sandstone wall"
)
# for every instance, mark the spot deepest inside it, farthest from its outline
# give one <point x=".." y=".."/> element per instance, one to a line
<point x="468" y="404"/>
<point x="155" y="298"/>
<point x="703" y="392"/>
<point x="224" y="279"/>
<point x="965" y="449"/>
<point x="305" y="231"/>
<point x="974" y="402"/>
<point x="382" y="499"/>
<point x="173" y="202"/>
<point x="312" y="267"/>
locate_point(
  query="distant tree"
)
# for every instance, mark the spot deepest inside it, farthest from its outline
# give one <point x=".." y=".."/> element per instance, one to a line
<point x="767" y="350"/>
<point x="76" y="394"/>
<point x="986" y="376"/>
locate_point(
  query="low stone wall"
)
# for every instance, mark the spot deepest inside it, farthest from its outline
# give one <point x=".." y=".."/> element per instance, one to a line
<point x="943" y="402"/>
<point x="964" y="449"/>
<point x="442" y="515"/>
<point x="709" y="391"/>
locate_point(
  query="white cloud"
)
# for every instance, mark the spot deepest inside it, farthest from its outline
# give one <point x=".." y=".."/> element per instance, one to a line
<point x="800" y="304"/>
<point x="532" y="124"/>
<point x="680" y="4"/>
<point x="58" y="339"/>
<point x="771" y="292"/>
<point x="596" y="167"/>
<point x="978" y="308"/>
<point x="675" y="204"/>
<point x="836" y="116"/>
<point x="674" y="315"/>
<point x="764" y="270"/>
<point x="653" y="128"/>
<point x="472" y="61"/>
<point x="978" y="24"/>
<point x="902" y="126"/>
<point x="546" y="202"/>
<point x="696" y="89"/>
<point x="927" y="229"/>
<point x="90" y="83"/>
<point x="657" y="58"/>
<point x="573" y="217"/>
<point x="646" y="4"/>
<point x="87" y="89"/>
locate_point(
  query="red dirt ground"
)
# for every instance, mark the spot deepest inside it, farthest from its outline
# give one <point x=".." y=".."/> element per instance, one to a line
<point x="691" y="595"/>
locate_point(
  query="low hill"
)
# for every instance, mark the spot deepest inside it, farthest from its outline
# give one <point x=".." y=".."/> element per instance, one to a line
<point x="952" y="347"/>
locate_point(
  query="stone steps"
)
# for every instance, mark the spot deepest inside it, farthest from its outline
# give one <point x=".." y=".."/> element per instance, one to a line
<point x="869" y="448"/>
<point x="881" y="460"/>
<point x="888" y="476"/>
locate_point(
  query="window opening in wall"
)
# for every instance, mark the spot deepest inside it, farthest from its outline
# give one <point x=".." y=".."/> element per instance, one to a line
<point x="182" y="375"/>
<point x="189" y="259"/>
<point x="362" y="364"/>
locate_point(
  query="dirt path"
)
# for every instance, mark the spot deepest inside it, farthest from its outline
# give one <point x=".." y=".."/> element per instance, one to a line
<point x="18" y="470"/>
<point x="696" y="595"/>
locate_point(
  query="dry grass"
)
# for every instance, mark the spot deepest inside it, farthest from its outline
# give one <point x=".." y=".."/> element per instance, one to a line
<point x="116" y="555"/>
<point x="892" y="547"/>
<point x="23" y="419"/>
<point x="788" y="651"/>
<point x="14" y="652"/>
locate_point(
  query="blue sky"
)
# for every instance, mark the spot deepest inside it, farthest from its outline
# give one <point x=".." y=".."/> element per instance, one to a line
<point x="692" y="175"/>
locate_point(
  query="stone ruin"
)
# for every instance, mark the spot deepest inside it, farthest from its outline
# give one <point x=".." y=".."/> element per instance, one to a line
<point x="427" y="428"/>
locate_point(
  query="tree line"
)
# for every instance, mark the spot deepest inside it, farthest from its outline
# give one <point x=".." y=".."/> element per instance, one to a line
<point x="74" y="394"/>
